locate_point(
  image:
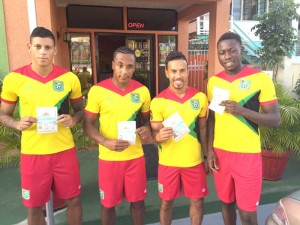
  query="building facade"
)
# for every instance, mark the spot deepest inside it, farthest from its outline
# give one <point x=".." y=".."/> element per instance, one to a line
<point x="88" y="31"/>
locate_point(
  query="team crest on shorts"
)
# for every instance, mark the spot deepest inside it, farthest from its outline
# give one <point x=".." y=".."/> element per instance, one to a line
<point x="101" y="194"/>
<point x="58" y="85"/>
<point x="244" y="84"/>
<point x="195" y="104"/>
<point x="160" y="188"/>
<point x="25" y="194"/>
<point x="135" y="97"/>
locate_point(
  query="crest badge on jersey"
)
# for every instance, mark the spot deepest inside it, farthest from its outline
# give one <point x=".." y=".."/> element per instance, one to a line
<point x="101" y="194"/>
<point x="135" y="97"/>
<point x="58" y="85"/>
<point x="160" y="188"/>
<point x="244" y="84"/>
<point x="25" y="194"/>
<point x="195" y="104"/>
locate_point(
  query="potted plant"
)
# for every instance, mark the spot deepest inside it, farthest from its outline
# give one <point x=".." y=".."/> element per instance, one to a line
<point x="279" y="143"/>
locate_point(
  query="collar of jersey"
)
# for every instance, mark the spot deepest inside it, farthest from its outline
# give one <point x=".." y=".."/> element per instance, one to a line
<point x="246" y="71"/>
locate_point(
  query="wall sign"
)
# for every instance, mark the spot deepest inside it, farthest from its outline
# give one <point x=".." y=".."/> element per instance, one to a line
<point x="136" y="25"/>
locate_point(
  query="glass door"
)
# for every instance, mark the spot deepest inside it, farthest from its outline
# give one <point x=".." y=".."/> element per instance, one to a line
<point x="166" y="44"/>
<point x="80" y="54"/>
<point x="143" y="49"/>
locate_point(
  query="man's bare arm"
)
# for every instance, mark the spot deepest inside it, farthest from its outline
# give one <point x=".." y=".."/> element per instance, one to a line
<point x="71" y="120"/>
<point x="269" y="117"/>
<point x="89" y="126"/>
<point x="6" y="118"/>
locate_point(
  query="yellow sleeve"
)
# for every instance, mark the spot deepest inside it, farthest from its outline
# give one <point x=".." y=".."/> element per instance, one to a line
<point x="203" y="105"/>
<point x="76" y="88"/>
<point x="147" y="100"/>
<point x="93" y="105"/>
<point x="267" y="91"/>
<point x="10" y="83"/>
<point x="209" y="89"/>
<point x="156" y="115"/>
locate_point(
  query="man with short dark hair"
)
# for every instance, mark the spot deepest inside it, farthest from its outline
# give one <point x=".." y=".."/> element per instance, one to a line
<point x="181" y="167"/>
<point x="43" y="92"/>
<point x="115" y="103"/>
<point x="233" y="137"/>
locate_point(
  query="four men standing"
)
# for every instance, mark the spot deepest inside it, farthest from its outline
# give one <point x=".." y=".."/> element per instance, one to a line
<point x="178" y="124"/>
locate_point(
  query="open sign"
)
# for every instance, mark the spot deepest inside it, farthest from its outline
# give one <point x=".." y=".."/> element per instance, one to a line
<point x="135" y="25"/>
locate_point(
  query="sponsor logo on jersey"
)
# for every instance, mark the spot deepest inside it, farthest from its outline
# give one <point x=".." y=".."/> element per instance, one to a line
<point x="244" y="84"/>
<point x="135" y="97"/>
<point x="195" y="104"/>
<point x="58" y="85"/>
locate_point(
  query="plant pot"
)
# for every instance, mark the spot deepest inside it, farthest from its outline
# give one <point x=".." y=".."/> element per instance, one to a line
<point x="273" y="164"/>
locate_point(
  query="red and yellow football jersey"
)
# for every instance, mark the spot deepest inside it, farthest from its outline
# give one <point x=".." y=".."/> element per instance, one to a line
<point x="114" y="105"/>
<point x="186" y="152"/>
<point x="250" y="88"/>
<point x="31" y="91"/>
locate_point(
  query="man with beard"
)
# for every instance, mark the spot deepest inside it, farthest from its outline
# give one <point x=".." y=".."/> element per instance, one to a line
<point x="181" y="168"/>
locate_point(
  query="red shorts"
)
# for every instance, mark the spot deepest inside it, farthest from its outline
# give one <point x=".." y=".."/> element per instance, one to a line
<point x="58" y="172"/>
<point x="118" y="178"/>
<point x="239" y="178"/>
<point x="191" y="181"/>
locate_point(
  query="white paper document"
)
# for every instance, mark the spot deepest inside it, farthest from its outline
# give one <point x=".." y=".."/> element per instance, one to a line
<point x="46" y="120"/>
<point x="219" y="95"/>
<point x="126" y="131"/>
<point x="178" y="125"/>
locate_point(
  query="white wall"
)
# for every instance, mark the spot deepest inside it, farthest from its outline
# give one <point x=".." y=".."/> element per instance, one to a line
<point x="289" y="74"/>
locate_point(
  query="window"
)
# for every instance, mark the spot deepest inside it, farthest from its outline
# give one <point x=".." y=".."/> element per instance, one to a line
<point x="152" y="19"/>
<point x="97" y="17"/>
<point x="236" y="9"/>
<point x="253" y="7"/>
<point x="203" y="24"/>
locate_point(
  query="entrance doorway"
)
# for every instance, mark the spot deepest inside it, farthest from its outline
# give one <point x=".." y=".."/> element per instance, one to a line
<point x="142" y="45"/>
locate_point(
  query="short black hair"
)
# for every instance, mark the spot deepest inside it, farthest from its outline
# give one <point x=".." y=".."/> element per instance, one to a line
<point x="124" y="50"/>
<point x="230" y="35"/>
<point x="43" y="33"/>
<point x="174" y="55"/>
